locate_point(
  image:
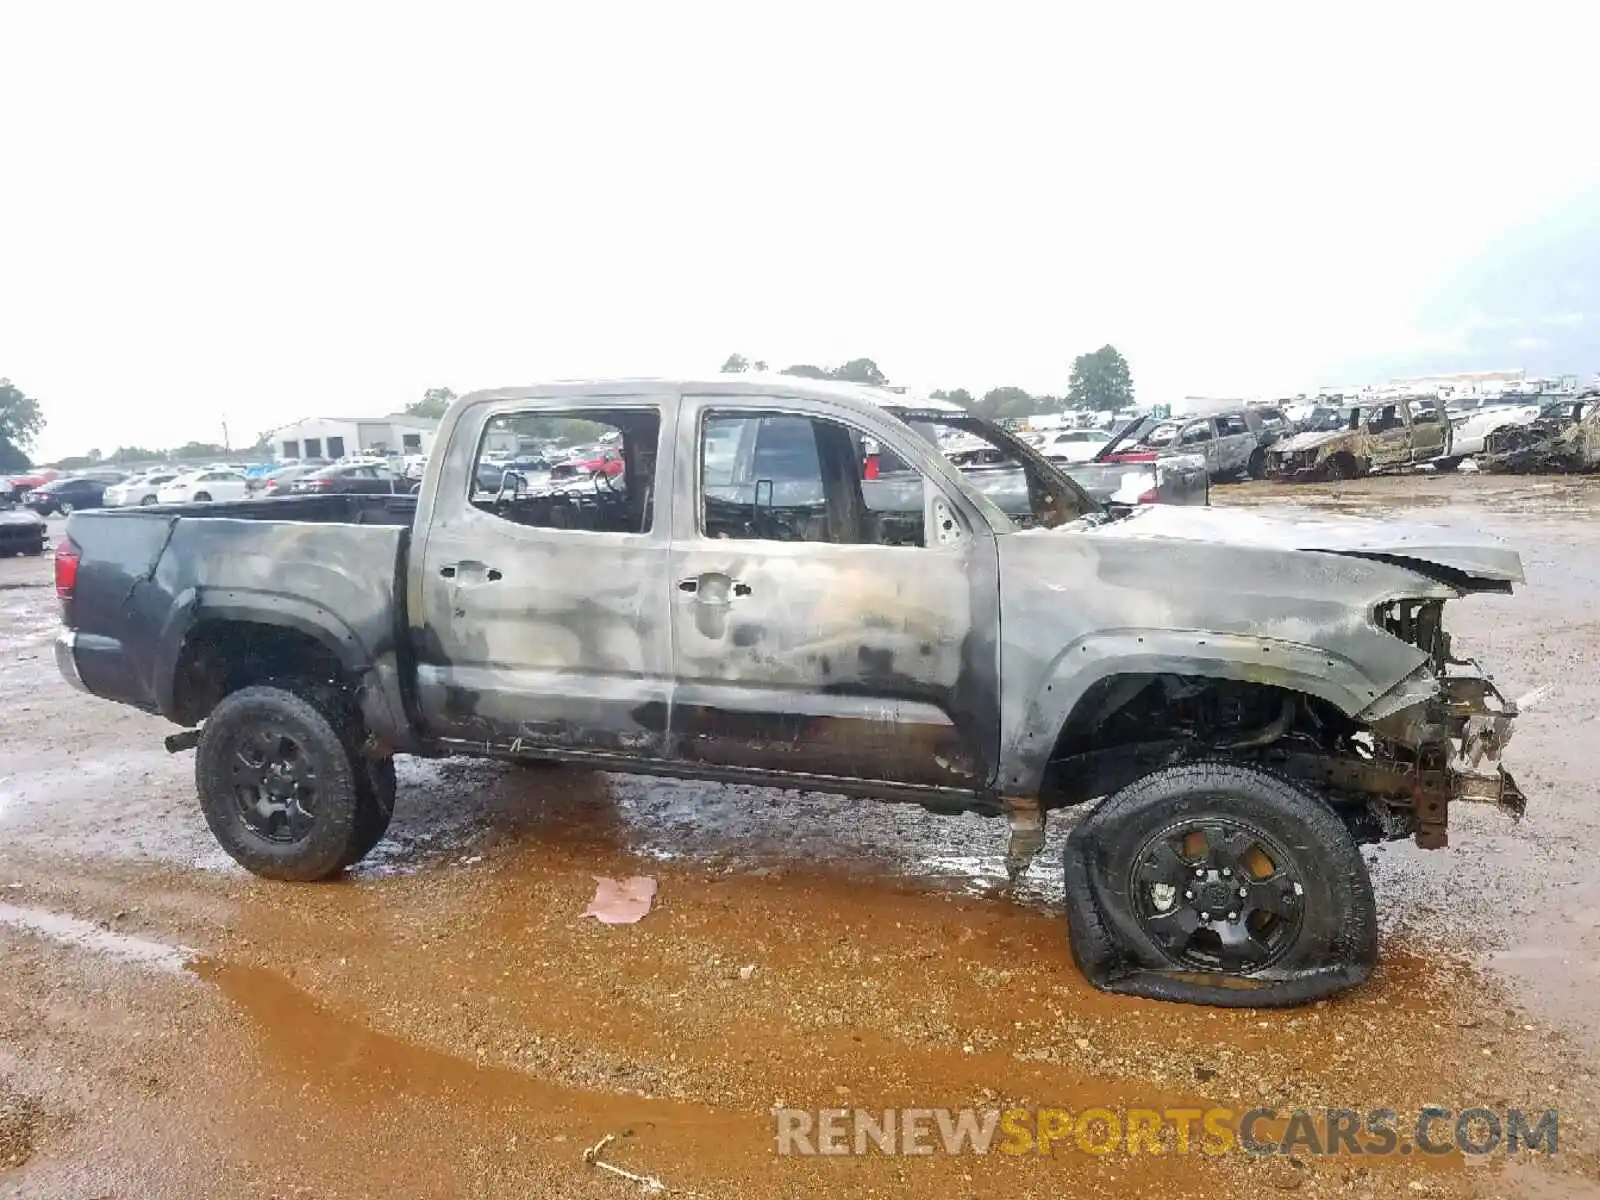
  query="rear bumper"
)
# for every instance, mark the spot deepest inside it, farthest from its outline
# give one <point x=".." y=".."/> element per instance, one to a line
<point x="99" y="666"/>
<point x="67" y="658"/>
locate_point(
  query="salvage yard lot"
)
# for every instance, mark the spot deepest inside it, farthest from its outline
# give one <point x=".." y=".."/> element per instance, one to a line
<point x="445" y="1023"/>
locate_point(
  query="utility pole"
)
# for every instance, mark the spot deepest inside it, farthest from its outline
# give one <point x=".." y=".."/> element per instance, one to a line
<point x="226" y="445"/>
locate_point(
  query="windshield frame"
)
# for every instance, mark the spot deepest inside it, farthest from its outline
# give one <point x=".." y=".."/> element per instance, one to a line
<point x="1035" y="466"/>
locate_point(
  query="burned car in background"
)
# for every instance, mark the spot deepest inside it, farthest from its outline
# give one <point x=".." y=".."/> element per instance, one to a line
<point x="1233" y="443"/>
<point x="1563" y="439"/>
<point x="993" y="455"/>
<point x="1353" y="440"/>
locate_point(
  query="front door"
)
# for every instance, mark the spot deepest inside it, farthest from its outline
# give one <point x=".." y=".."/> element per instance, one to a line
<point x="1388" y="436"/>
<point x="544" y="622"/>
<point x="1198" y="438"/>
<point x="823" y="624"/>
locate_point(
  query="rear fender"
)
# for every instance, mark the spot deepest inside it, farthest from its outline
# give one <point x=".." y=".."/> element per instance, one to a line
<point x="377" y="689"/>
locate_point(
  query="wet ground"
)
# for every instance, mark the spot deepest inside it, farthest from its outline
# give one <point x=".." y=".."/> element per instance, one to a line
<point x="445" y="1023"/>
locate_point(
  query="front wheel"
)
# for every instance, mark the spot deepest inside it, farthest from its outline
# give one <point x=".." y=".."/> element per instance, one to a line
<point x="1220" y="883"/>
<point x="66" y="508"/>
<point x="1446" y="464"/>
<point x="280" y="785"/>
<point x="202" y="497"/>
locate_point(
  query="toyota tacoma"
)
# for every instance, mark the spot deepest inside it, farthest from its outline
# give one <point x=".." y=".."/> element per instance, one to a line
<point x="1228" y="704"/>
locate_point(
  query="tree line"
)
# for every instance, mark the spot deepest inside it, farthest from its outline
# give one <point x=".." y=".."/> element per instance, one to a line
<point x="1100" y="381"/>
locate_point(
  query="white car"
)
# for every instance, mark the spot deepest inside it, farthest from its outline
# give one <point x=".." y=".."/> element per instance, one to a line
<point x="1468" y="433"/>
<point x="141" y="489"/>
<point x="198" y="487"/>
<point x="1075" y="445"/>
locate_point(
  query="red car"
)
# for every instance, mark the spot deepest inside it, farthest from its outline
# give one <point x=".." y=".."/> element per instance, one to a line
<point x="20" y="485"/>
<point x="607" y="463"/>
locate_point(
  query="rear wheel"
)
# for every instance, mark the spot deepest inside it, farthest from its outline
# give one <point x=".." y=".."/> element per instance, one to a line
<point x="1446" y="464"/>
<point x="147" y="499"/>
<point x="65" y="508"/>
<point x="1258" y="464"/>
<point x="280" y="784"/>
<point x="1224" y="884"/>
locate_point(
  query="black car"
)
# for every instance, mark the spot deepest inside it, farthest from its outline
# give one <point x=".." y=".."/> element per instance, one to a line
<point x="364" y="479"/>
<point x="64" y="495"/>
<point x="21" y="532"/>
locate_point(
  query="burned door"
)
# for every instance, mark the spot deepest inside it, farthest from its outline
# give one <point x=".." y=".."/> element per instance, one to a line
<point x="1388" y="440"/>
<point x="1198" y="437"/>
<point x="544" y="609"/>
<point x="824" y="625"/>
<point x="1429" y="432"/>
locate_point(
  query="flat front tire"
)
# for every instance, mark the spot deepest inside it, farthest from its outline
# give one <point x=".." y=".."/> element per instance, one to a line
<point x="1220" y="883"/>
<point x="280" y="785"/>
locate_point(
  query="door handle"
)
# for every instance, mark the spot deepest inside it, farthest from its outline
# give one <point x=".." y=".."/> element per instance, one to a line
<point x="470" y="572"/>
<point x="714" y="585"/>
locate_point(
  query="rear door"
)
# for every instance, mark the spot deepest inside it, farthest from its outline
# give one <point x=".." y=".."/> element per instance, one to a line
<point x="1429" y="431"/>
<point x="825" y="625"/>
<point x="1235" y="442"/>
<point x="544" y="611"/>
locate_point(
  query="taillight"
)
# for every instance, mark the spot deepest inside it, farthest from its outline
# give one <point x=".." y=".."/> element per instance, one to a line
<point x="67" y="568"/>
<point x="1148" y="497"/>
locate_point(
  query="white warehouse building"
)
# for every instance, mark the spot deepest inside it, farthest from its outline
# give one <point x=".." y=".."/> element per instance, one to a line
<point x="338" y="437"/>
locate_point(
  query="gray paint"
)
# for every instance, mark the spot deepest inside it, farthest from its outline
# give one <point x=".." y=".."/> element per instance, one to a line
<point x="944" y="672"/>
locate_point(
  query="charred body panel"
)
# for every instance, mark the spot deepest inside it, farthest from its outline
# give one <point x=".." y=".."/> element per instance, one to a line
<point x="850" y="659"/>
<point x="1564" y="439"/>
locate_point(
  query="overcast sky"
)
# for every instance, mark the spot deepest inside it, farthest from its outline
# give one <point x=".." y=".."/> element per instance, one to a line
<point x="274" y="211"/>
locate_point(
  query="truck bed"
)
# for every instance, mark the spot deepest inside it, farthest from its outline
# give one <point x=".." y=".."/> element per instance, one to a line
<point x="327" y="568"/>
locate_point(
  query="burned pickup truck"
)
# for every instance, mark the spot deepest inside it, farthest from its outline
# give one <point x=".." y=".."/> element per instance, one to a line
<point x="1563" y="439"/>
<point x="1237" y="702"/>
<point x="1349" y="441"/>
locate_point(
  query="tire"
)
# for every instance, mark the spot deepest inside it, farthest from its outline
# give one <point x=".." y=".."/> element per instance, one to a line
<point x="1307" y="928"/>
<point x="1258" y="464"/>
<point x="375" y="807"/>
<point x="146" y="499"/>
<point x="1446" y="465"/>
<point x="235" y="755"/>
<point x="202" y="497"/>
<point x="35" y="551"/>
<point x="65" y="508"/>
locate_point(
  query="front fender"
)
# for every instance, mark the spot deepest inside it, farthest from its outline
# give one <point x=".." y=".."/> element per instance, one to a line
<point x="1250" y="659"/>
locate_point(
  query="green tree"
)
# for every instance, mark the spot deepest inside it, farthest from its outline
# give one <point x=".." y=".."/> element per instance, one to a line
<point x="806" y="371"/>
<point x="859" y="370"/>
<point x="735" y="364"/>
<point x="433" y="403"/>
<point x="1001" y="402"/>
<point x="760" y="364"/>
<point x="20" y="423"/>
<point x="960" y="397"/>
<point x="1100" y="381"/>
